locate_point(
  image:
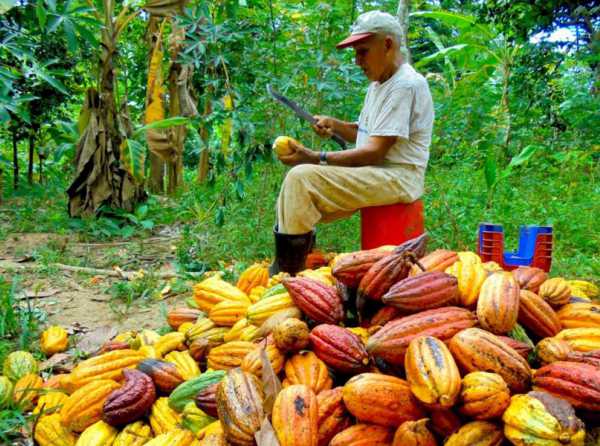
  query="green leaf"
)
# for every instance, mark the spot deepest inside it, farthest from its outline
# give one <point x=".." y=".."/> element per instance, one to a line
<point x="239" y="190"/>
<point x="443" y="53"/>
<point x="162" y="124"/>
<point x="40" y="12"/>
<point x="220" y="216"/>
<point x="524" y="156"/>
<point x="70" y="36"/>
<point x="7" y="5"/>
<point x="42" y="74"/>
<point x="134" y="158"/>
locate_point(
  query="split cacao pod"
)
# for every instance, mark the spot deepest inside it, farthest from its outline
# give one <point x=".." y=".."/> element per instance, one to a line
<point x="540" y="418"/>
<point x="132" y="401"/>
<point x="390" y="343"/>
<point x="206" y="400"/>
<point x="380" y="399"/>
<point x="530" y="278"/>
<point x="555" y="291"/>
<point x="228" y="312"/>
<point x="470" y="277"/>
<point x="213" y="290"/>
<point x="134" y="434"/>
<point x="240" y="402"/>
<point x="306" y="368"/>
<point x="483" y="395"/>
<point x="320" y="302"/>
<point x="291" y="335"/>
<point x="437" y="260"/>
<point x="537" y="315"/>
<point x="102" y="367"/>
<point x="253" y="276"/>
<point x="577" y="383"/>
<point x="414" y="433"/>
<point x="475" y="349"/>
<point x="498" y="303"/>
<point x="49" y="431"/>
<point x="164" y="374"/>
<point x="296" y="416"/>
<point x="54" y="340"/>
<point x="98" y="434"/>
<point x="84" y="407"/>
<point x="431" y="372"/>
<point x="477" y="433"/>
<point x="350" y="268"/>
<point x="339" y="348"/>
<point x="423" y="292"/>
<point x="364" y="435"/>
<point x="162" y="418"/>
<point x="178" y="316"/>
<point x="230" y="355"/>
<point x="580" y="315"/>
<point x="333" y="417"/>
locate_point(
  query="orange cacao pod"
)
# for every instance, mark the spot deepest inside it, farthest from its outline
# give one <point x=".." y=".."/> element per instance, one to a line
<point x="291" y="335"/>
<point x="320" y="302"/>
<point x="230" y="355"/>
<point x="498" y="303"/>
<point x="333" y="417"/>
<point x="390" y="343"/>
<point x="380" y="399"/>
<point x="577" y="383"/>
<point x="423" y="292"/>
<point x="579" y="315"/>
<point x="437" y="260"/>
<point x="349" y="269"/>
<point x="530" y="278"/>
<point x="484" y="395"/>
<point x="253" y="276"/>
<point x="178" y="316"/>
<point x="306" y="368"/>
<point x="439" y="386"/>
<point x="537" y="315"/>
<point x="27" y="390"/>
<point x="296" y="416"/>
<point x="475" y="349"/>
<point x="555" y="291"/>
<point x="252" y="362"/>
<point x="339" y="348"/>
<point x="444" y="422"/>
<point x="84" y="407"/>
<point x="364" y="435"/>
<point x="550" y="350"/>
<point x="414" y="433"/>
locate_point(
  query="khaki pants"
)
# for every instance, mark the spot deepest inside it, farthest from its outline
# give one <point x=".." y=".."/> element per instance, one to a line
<point x="312" y="193"/>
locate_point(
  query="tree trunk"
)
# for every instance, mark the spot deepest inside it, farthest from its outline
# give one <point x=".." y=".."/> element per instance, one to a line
<point x="31" y="153"/>
<point x="15" y="145"/>
<point x="403" y="13"/>
<point x="203" y="131"/>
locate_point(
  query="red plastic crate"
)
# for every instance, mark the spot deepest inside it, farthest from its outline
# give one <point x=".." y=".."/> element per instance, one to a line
<point x="391" y="224"/>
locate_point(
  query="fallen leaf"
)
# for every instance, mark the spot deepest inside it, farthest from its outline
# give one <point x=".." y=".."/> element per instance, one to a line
<point x="94" y="339"/>
<point x="96" y="280"/>
<point x="266" y="434"/>
<point x="271" y="384"/>
<point x="57" y="359"/>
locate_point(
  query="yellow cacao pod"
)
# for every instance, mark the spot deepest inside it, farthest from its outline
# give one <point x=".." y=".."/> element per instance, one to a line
<point x="98" y="434"/>
<point x="229" y="355"/>
<point x="134" y="434"/>
<point x="234" y="333"/>
<point x="228" y="312"/>
<point x="27" y="390"/>
<point x="50" y="402"/>
<point x="162" y="418"/>
<point x="54" y="340"/>
<point x="254" y="276"/>
<point x="177" y="437"/>
<point x="49" y="431"/>
<point x="169" y="342"/>
<point x="555" y="291"/>
<point x="281" y="145"/>
<point x="213" y="290"/>
<point x="263" y="309"/>
<point x="84" y="407"/>
<point x="185" y="364"/>
<point x="581" y="339"/>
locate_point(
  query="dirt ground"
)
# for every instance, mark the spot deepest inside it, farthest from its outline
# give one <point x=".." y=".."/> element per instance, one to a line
<point x="82" y="301"/>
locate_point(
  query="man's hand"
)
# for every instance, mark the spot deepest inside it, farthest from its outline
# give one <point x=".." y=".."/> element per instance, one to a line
<point x="300" y="155"/>
<point x="324" y="126"/>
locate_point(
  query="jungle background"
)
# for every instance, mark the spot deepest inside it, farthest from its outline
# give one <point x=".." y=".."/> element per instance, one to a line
<point x="164" y="105"/>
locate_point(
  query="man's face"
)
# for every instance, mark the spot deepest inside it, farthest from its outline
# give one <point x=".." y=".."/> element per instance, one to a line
<point x="371" y="56"/>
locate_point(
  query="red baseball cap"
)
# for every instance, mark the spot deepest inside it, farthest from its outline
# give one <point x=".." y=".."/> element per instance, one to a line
<point x="353" y="39"/>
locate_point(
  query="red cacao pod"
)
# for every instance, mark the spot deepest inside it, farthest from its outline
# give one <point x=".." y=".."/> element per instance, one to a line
<point x="132" y="401"/>
<point x="423" y="292"/>
<point x="164" y="374"/>
<point x="320" y="302"/>
<point x="339" y="348"/>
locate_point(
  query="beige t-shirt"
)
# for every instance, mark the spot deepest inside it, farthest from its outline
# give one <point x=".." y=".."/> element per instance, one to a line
<point x="400" y="106"/>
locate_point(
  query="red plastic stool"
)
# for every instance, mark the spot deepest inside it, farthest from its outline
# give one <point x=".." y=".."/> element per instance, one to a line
<point x="391" y="224"/>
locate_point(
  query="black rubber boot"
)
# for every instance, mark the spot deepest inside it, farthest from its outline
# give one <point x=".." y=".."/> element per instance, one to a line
<point x="291" y="251"/>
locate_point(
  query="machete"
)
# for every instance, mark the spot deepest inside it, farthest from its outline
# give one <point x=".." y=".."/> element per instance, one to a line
<point x="301" y="113"/>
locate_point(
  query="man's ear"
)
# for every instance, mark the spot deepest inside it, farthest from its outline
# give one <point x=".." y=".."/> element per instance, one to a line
<point x="389" y="43"/>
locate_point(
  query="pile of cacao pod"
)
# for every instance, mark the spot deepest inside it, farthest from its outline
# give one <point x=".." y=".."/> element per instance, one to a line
<point x="391" y="346"/>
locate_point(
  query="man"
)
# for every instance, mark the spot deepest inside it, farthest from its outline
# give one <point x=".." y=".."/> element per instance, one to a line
<point x="392" y="137"/>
